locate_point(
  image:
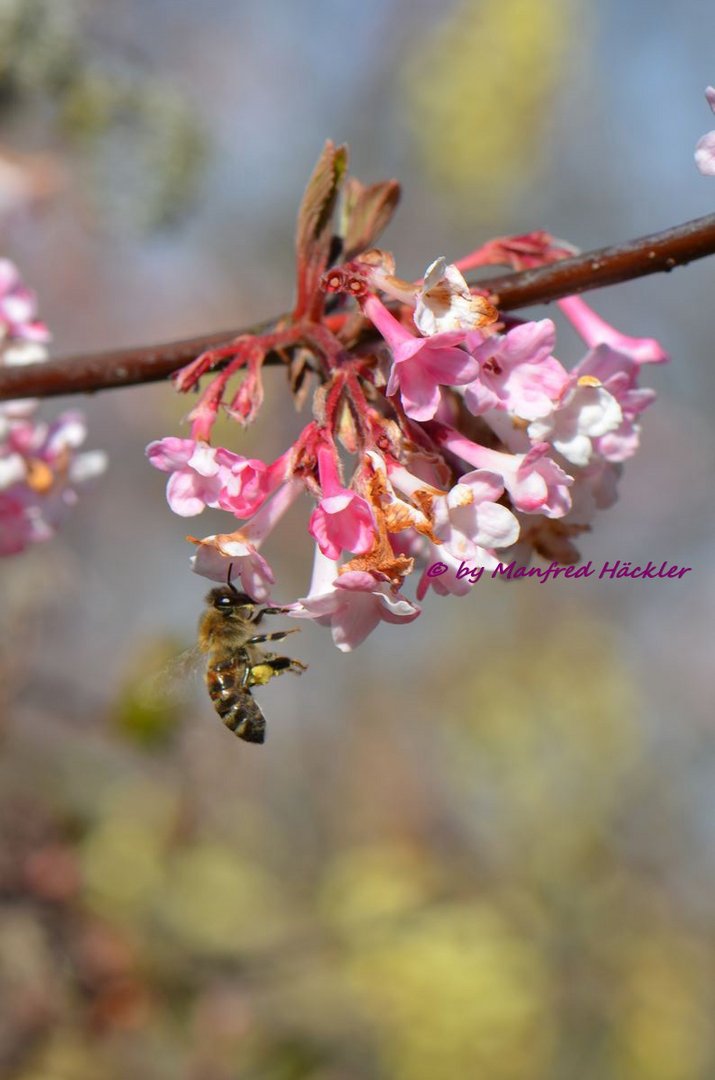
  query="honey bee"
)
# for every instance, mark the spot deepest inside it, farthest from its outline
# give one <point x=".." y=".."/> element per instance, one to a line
<point x="236" y="662"/>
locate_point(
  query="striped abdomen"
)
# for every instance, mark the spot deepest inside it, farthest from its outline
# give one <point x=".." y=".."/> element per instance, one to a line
<point x="232" y="700"/>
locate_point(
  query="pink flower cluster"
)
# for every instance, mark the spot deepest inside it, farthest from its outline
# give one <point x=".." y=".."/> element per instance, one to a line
<point x="40" y="467"/>
<point x="438" y="433"/>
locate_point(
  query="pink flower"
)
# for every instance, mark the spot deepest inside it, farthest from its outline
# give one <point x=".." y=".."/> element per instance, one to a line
<point x="40" y="471"/>
<point x="17" y="530"/>
<point x="705" y="147"/>
<point x="538" y="485"/>
<point x="342" y="520"/>
<point x="206" y="476"/>
<point x="596" y="331"/>
<point x="18" y="307"/>
<point x="13" y="415"/>
<point x="40" y="467"/>
<point x="197" y="473"/>
<point x="245" y="486"/>
<point x="215" y="554"/>
<point x="239" y="550"/>
<point x="247" y="482"/>
<point x="12" y="469"/>
<point x="471" y="523"/>
<point x="516" y="371"/>
<point x="351" y="604"/>
<point x="420" y="364"/>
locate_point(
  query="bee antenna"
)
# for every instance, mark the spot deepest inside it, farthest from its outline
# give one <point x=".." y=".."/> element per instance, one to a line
<point x="228" y="579"/>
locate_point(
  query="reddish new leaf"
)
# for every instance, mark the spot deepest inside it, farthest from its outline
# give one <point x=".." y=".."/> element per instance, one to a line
<point x="314" y="231"/>
<point x="367" y="211"/>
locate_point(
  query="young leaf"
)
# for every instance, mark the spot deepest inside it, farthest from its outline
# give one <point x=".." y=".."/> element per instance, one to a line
<point x="315" y="228"/>
<point x="367" y="210"/>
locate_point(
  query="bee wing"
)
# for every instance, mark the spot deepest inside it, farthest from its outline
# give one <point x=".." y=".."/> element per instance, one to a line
<point x="174" y="676"/>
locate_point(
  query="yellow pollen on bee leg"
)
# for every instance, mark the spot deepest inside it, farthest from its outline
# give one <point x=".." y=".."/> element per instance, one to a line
<point x="261" y="674"/>
<point x="589" y="380"/>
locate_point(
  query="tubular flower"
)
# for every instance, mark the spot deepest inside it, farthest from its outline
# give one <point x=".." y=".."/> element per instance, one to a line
<point x="238" y="551"/>
<point x="196" y="476"/>
<point x="420" y="364"/>
<point x="342" y="520"/>
<point x="596" y="331"/>
<point x="535" y="482"/>
<point x="437" y="435"/>
<point x="352" y="604"/>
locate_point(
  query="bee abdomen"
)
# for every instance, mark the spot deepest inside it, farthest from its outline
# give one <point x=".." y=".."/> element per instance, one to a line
<point x="239" y="712"/>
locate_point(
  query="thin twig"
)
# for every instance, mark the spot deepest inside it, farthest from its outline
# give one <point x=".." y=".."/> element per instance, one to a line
<point x="652" y="254"/>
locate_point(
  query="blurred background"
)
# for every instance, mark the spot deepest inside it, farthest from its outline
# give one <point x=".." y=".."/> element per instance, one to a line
<point x="482" y="845"/>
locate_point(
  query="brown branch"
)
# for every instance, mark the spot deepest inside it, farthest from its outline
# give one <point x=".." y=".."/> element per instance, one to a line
<point x="652" y="254"/>
<point x="662" y="251"/>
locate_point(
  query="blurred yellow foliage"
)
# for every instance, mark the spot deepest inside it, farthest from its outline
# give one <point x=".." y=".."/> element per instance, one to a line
<point x="369" y="884"/>
<point x="546" y="738"/>
<point x="479" y="91"/>
<point x="123" y="856"/>
<point x="667" y="1002"/>
<point x="68" y="1057"/>
<point x="38" y="43"/>
<point x="454" y="992"/>
<point x="137" y="869"/>
<point x="219" y="903"/>
<point x="122" y="868"/>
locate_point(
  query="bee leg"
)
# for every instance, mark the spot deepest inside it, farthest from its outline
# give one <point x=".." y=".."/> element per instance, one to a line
<point x="261" y="673"/>
<point x="260" y="612"/>
<point x="277" y="635"/>
<point x="245" y="677"/>
<point x="279" y="664"/>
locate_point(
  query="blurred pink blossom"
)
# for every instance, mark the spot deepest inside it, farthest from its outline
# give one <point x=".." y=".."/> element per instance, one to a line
<point x="41" y="468"/>
<point x="705" y="147"/>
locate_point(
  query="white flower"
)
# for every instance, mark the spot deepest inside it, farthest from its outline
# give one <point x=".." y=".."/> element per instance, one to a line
<point x="586" y="411"/>
<point x="444" y="302"/>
